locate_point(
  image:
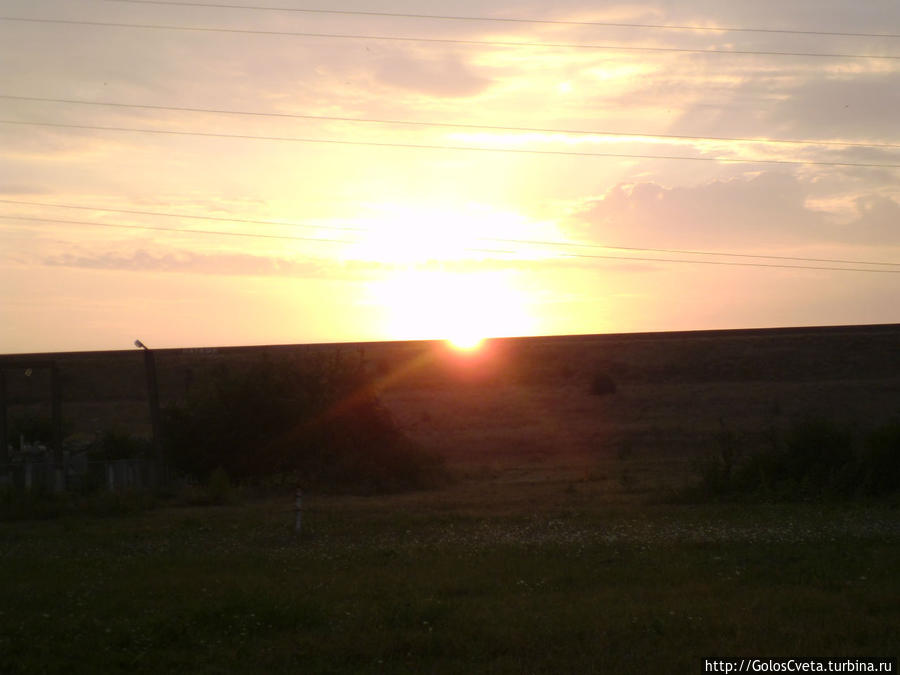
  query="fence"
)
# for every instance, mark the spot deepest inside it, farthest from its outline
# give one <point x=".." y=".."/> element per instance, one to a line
<point x="79" y="475"/>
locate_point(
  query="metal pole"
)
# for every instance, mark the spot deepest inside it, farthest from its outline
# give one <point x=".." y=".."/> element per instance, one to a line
<point x="56" y="414"/>
<point x="153" y="399"/>
<point x="4" y="431"/>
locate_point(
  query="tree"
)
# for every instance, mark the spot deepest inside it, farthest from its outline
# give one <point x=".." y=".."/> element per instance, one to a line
<point x="317" y="418"/>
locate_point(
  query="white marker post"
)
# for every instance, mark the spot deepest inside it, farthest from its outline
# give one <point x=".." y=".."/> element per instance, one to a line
<point x="298" y="511"/>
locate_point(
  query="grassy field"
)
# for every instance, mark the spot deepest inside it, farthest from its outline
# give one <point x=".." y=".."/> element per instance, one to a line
<point x="491" y="575"/>
<point x="557" y="546"/>
<point x="516" y="572"/>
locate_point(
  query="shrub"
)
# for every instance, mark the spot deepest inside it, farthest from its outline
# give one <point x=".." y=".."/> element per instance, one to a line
<point x="113" y="444"/>
<point x="317" y="420"/>
<point x="879" y="472"/>
<point x="602" y="384"/>
<point x="219" y="489"/>
<point x="35" y="428"/>
<point x="817" y="452"/>
<point x="817" y="459"/>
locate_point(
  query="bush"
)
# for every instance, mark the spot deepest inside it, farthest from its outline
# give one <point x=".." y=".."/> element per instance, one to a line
<point x="318" y="421"/>
<point x="602" y="384"/>
<point x="35" y="428"/>
<point x="219" y="489"/>
<point x="879" y="472"/>
<point x="817" y="459"/>
<point x="114" y="444"/>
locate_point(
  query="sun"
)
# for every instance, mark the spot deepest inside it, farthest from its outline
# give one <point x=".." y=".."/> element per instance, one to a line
<point x="465" y="342"/>
<point x="460" y="308"/>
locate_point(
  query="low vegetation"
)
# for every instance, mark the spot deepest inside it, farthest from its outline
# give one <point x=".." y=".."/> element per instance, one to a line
<point x="602" y="384"/>
<point x="315" y="422"/>
<point x="816" y="459"/>
<point x="501" y="578"/>
<point x="556" y="549"/>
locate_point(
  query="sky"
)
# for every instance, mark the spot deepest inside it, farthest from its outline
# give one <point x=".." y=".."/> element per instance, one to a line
<point x="286" y="177"/>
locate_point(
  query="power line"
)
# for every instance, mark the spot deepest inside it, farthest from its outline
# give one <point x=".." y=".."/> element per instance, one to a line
<point x="530" y="242"/>
<point x="483" y="250"/>
<point x="418" y="146"/>
<point x="185" y="215"/>
<point x="251" y="235"/>
<point x="555" y="22"/>
<point x="728" y="263"/>
<point x="687" y="252"/>
<point x="481" y="43"/>
<point x="178" y="230"/>
<point x="559" y="255"/>
<point x="454" y="125"/>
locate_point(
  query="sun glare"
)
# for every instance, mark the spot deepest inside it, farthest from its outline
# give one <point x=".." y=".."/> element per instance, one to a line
<point x="461" y="308"/>
<point x="465" y="343"/>
<point x="412" y="235"/>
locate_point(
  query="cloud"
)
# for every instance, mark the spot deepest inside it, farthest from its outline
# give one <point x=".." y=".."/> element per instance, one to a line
<point x="758" y="210"/>
<point x="853" y="106"/>
<point x="770" y="209"/>
<point x="181" y="261"/>
<point x="426" y="73"/>
<point x="877" y="222"/>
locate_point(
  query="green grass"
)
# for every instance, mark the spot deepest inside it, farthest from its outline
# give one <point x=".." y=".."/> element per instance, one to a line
<point x="480" y="577"/>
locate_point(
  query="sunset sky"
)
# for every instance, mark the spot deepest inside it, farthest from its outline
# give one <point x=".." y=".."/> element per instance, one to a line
<point x="500" y="225"/>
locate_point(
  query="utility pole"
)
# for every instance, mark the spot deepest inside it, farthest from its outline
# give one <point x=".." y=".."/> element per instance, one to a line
<point x="4" y="448"/>
<point x="56" y="413"/>
<point x="153" y="399"/>
<point x="56" y="417"/>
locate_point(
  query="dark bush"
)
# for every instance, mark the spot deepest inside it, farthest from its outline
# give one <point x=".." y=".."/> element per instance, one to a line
<point x="879" y="472"/>
<point x="817" y="451"/>
<point x="34" y="428"/>
<point x="318" y="421"/>
<point x="113" y="444"/>
<point x="816" y="459"/>
<point x="219" y="489"/>
<point x="602" y="384"/>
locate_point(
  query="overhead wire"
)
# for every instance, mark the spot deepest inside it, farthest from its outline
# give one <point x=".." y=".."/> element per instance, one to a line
<point x="225" y="233"/>
<point x="480" y="43"/>
<point x="420" y="146"/>
<point x="532" y="242"/>
<point x="508" y="241"/>
<point x="555" y="22"/>
<point x="471" y="249"/>
<point x="451" y="125"/>
<point x="470" y="148"/>
<point x="223" y="219"/>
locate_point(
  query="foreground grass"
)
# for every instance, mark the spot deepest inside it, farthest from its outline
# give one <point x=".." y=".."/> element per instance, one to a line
<point x="448" y="582"/>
